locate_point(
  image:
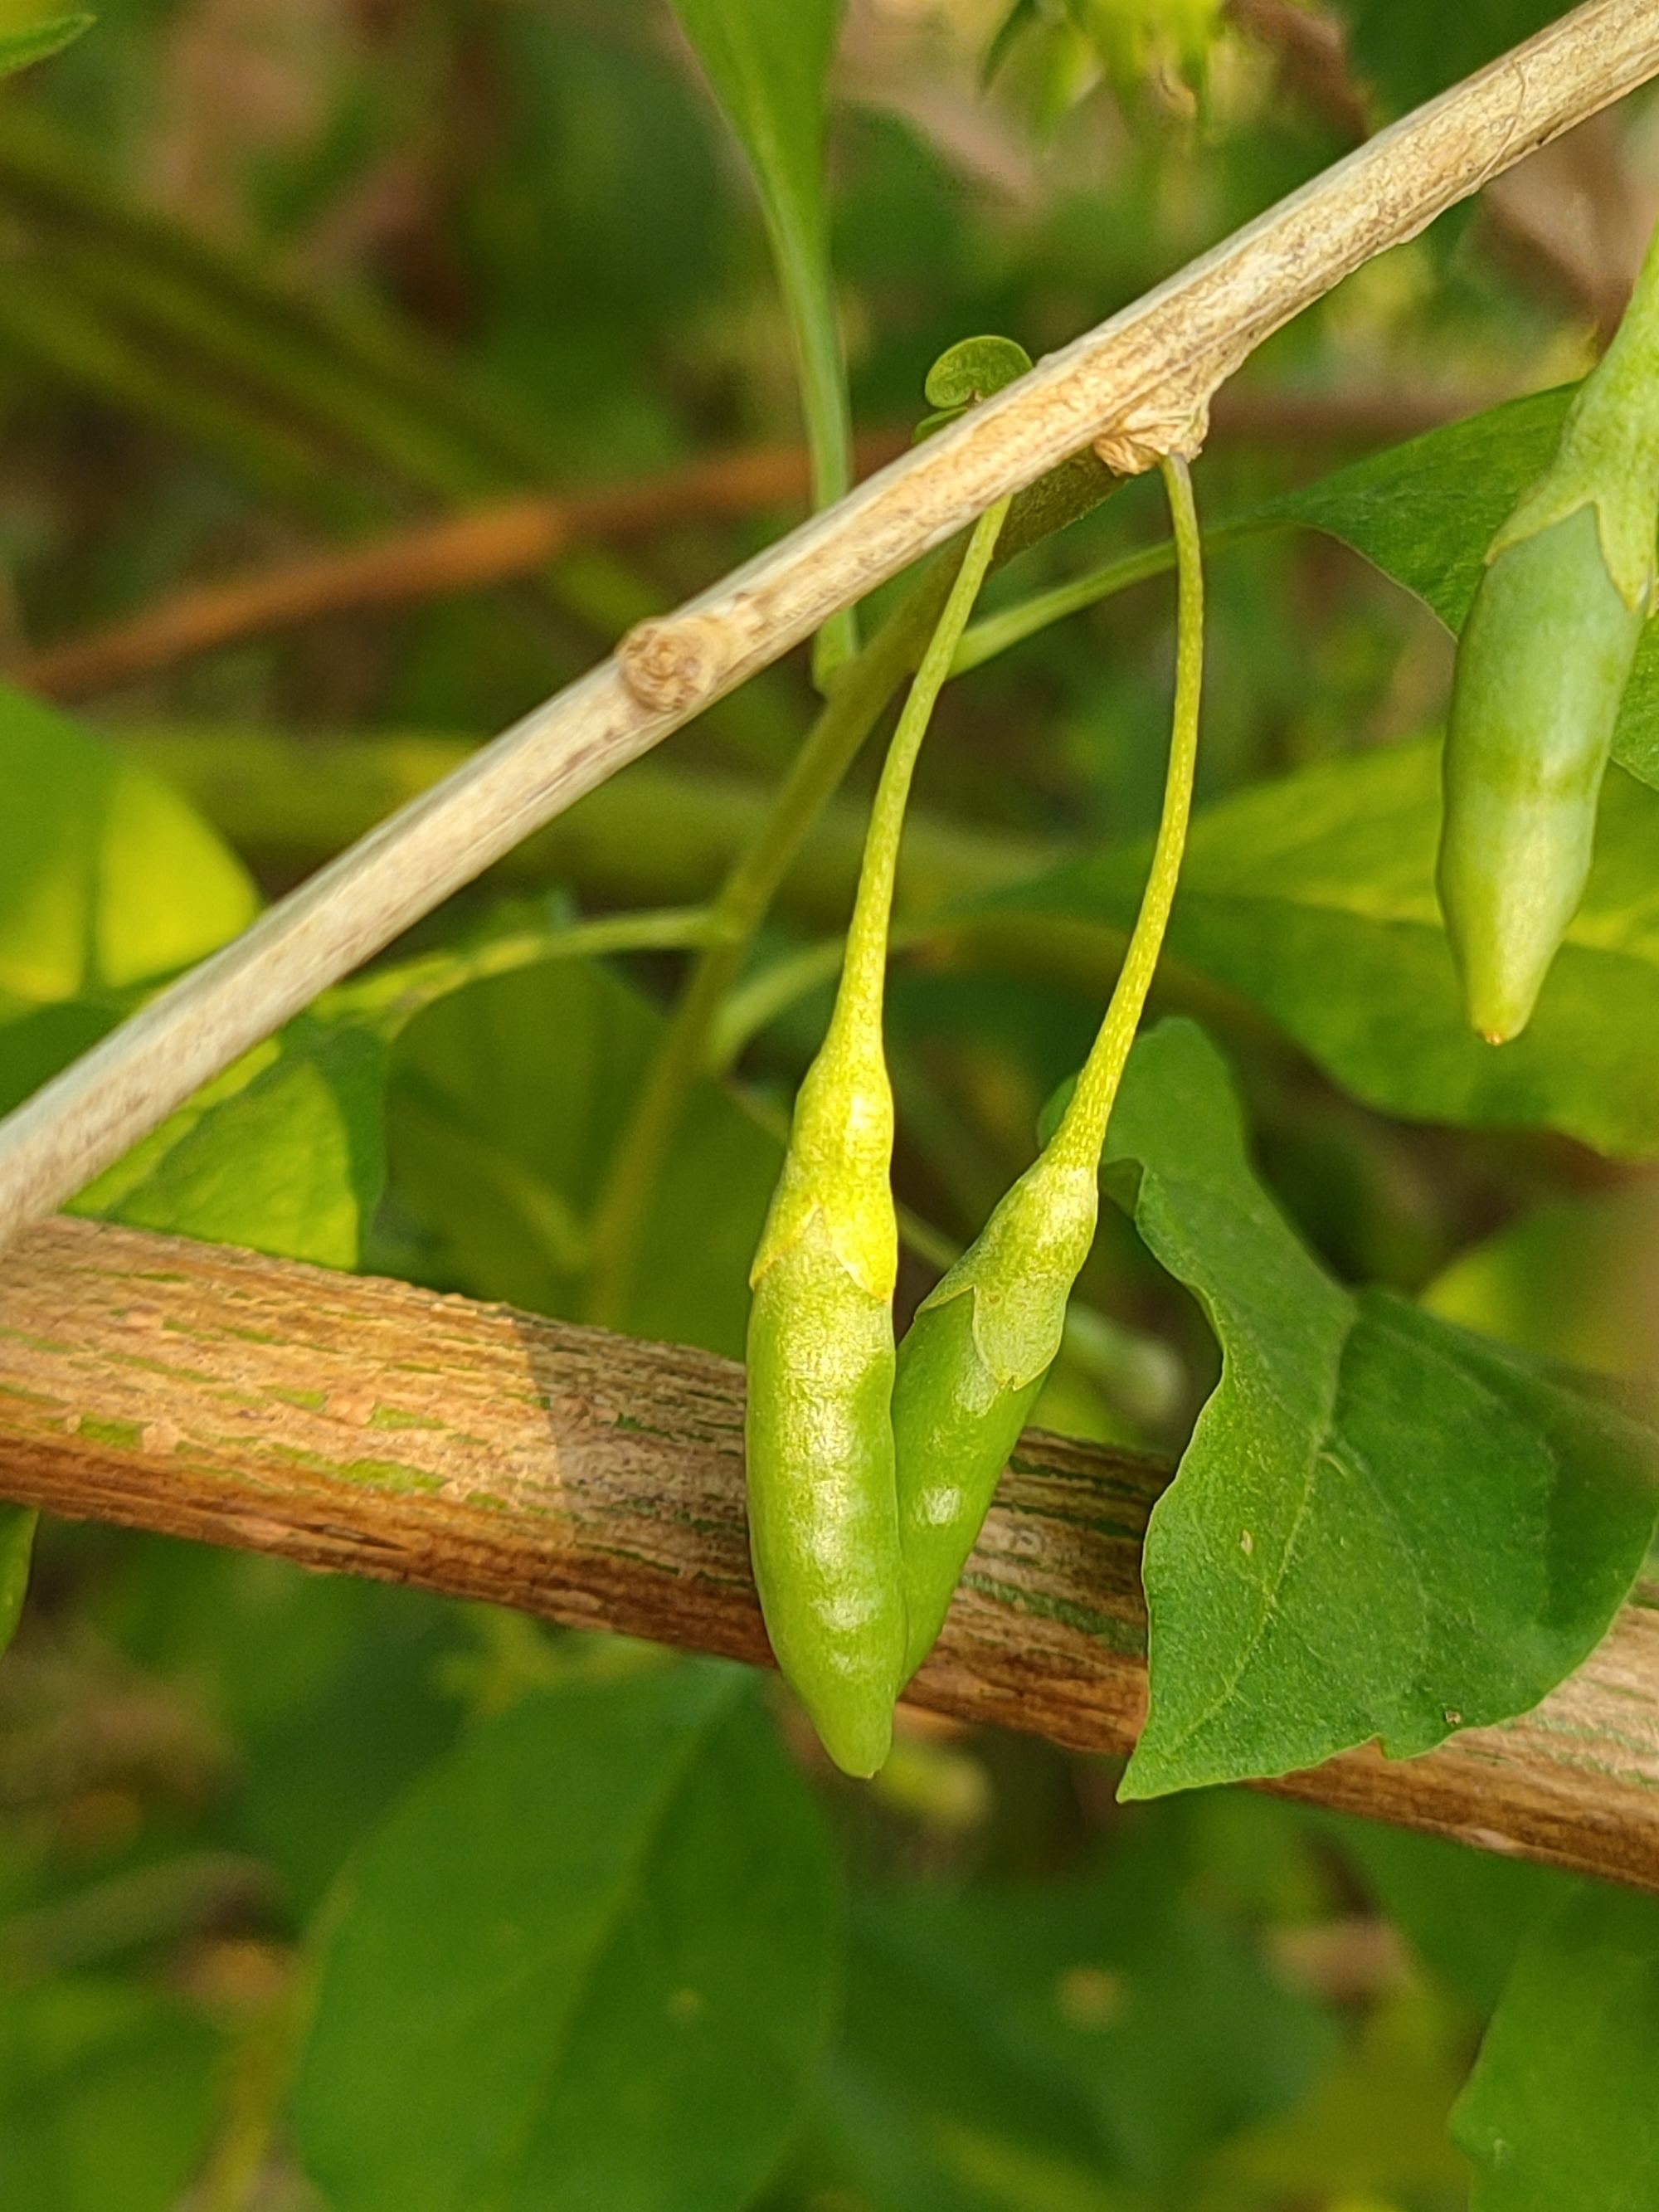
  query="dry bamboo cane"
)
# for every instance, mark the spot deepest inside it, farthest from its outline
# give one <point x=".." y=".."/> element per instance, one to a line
<point x="1138" y="385"/>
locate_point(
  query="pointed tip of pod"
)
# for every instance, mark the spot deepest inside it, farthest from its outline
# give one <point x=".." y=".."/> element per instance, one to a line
<point x="1499" y="1023"/>
<point x="1503" y="948"/>
<point x="860" y="1752"/>
<point x="1498" y="1007"/>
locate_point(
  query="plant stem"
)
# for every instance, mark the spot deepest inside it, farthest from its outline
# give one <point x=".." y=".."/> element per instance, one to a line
<point x="1013" y="625"/>
<point x="862" y="690"/>
<point x="864" y="971"/>
<point x="841" y="729"/>
<point x="392" y="997"/>
<point x="803" y="270"/>
<point x="848" y="716"/>
<point x="1082" y="1131"/>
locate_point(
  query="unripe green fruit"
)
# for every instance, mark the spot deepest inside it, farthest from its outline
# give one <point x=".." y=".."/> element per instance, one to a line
<point x="822" y="1522"/>
<point x="954" y="1426"/>
<point x="1542" y="667"/>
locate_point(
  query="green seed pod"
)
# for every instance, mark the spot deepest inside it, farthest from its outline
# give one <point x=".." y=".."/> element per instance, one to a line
<point x="822" y="1514"/>
<point x="1542" y="665"/>
<point x="977" y="1354"/>
<point x="823" y="1507"/>
<point x="1545" y="656"/>
<point x="823" y="1523"/>
<point x="969" y="1371"/>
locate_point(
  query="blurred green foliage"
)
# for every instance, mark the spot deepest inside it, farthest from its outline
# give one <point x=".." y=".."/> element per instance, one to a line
<point x="535" y="1918"/>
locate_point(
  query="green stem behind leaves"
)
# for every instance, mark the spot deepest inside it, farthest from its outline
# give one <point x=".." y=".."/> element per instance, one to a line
<point x="859" y="999"/>
<point x="842" y="727"/>
<point x="1082" y="1131"/>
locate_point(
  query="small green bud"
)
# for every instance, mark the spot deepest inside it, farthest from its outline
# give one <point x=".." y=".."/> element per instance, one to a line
<point x="966" y="372"/>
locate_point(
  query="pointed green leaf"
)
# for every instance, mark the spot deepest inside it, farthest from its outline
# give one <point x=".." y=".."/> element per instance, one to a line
<point x="1571" y="1281"/>
<point x="588" y="1965"/>
<point x="282" y="1153"/>
<point x="1382" y="1526"/>
<point x="1113" y="2025"/>
<point x="106" y="877"/>
<point x="1425" y="511"/>
<point x="34" y="41"/>
<point x="768" y="65"/>
<point x="17" y="1543"/>
<point x="506" y="1102"/>
<point x="1562" y="2112"/>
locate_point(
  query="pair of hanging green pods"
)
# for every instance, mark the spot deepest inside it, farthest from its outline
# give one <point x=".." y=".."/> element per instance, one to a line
<point x="1542" y="666"/>
<point x="871" y="1468"/>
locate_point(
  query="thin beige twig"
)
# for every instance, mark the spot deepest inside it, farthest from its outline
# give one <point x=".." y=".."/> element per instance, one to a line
<point x="1138" y="385"/>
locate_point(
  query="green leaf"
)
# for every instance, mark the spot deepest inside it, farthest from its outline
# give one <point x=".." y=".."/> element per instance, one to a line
<point x="505" y="1103"/>
<point x="1373" y="2134"/>
<point x="1409" y="50"/>
<point x="1465" y="1912"/>
<point x="1571" y="1282"/>
<point x="106" y="2091"/>
<point x="1112" y="2022"/>
<point x="589" y="1963"/>
<point x="106" y="879"/>
<point x="17" y="1524"/>
<point x="1076" y="2043"/>
<point x="282" y="1152"/>
<point x="35" y="41"/>
<point x="1425" y="512"/>
<point x="974" y="369"/>
<point x="335" y="1693"/>
<point x="34" y="1046"/>
<point x="1314" y="896"/>
<point x="1382" y="1526"/>
<point x="1562" y="2112"/>
<point x="768" y="66"/>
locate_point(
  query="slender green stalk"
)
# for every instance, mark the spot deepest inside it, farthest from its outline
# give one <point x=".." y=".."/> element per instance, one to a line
<point x="392" y="996"/>
<point x="1082" y="1131"/>
<point x="862" y="690"/>
<point x="863" y="973"/>
<point x="975" y="1358"/>
<point x="764" y="997"/>
<point x="1013" y="625"/>
<point x="845" y="720"/>
<point x="802" y="271"/>
<point x="817" y="1439"/>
